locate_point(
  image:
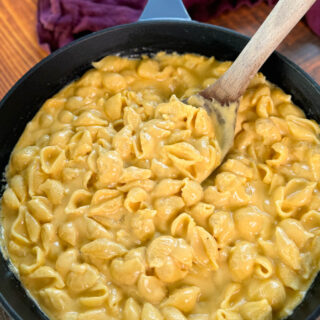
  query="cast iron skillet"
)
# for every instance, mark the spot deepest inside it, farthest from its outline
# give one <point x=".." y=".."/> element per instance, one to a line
<point x="168" y="28"/>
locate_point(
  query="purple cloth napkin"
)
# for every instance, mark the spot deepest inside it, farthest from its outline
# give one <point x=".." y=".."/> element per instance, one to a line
<point x="61" y="21"/>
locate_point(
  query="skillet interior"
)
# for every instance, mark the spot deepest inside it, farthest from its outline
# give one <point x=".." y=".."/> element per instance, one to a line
<point x="25" y="98"/>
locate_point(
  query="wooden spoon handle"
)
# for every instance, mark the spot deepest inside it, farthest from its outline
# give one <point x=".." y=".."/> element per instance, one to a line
<point x="284" y="16"/>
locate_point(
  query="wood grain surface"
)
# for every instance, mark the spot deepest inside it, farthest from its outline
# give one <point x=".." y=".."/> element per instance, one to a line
<point x="19" y="49"/>
<point x="301" y="46"/>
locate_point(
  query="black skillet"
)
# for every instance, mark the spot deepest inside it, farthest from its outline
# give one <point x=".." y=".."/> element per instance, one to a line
<point x="164" y="25"/>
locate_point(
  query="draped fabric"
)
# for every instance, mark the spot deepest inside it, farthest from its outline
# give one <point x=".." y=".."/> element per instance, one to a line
<point x="61" y="21"/>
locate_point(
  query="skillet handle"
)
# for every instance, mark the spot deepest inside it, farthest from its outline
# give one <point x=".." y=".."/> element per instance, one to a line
<point x="164" y="9"/>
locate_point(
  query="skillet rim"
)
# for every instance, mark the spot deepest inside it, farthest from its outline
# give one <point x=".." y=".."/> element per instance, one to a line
<point x="76" y="42"/>
<point x="154" y="22"/>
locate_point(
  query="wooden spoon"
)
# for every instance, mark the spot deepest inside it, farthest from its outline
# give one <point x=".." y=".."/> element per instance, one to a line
<point x="221" y="99"/>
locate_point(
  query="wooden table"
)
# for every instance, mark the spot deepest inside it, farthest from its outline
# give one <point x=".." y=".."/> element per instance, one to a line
<point x="19" y="49"/>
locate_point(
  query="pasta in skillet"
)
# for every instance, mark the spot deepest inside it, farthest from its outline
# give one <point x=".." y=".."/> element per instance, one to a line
<point x="109" y="212"/>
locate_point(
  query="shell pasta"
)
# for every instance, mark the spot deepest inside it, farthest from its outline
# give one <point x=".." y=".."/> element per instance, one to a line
<point x="111" y="210"/>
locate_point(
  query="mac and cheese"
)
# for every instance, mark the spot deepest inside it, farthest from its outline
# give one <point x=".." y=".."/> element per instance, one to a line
<point x="109" y="212"/>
